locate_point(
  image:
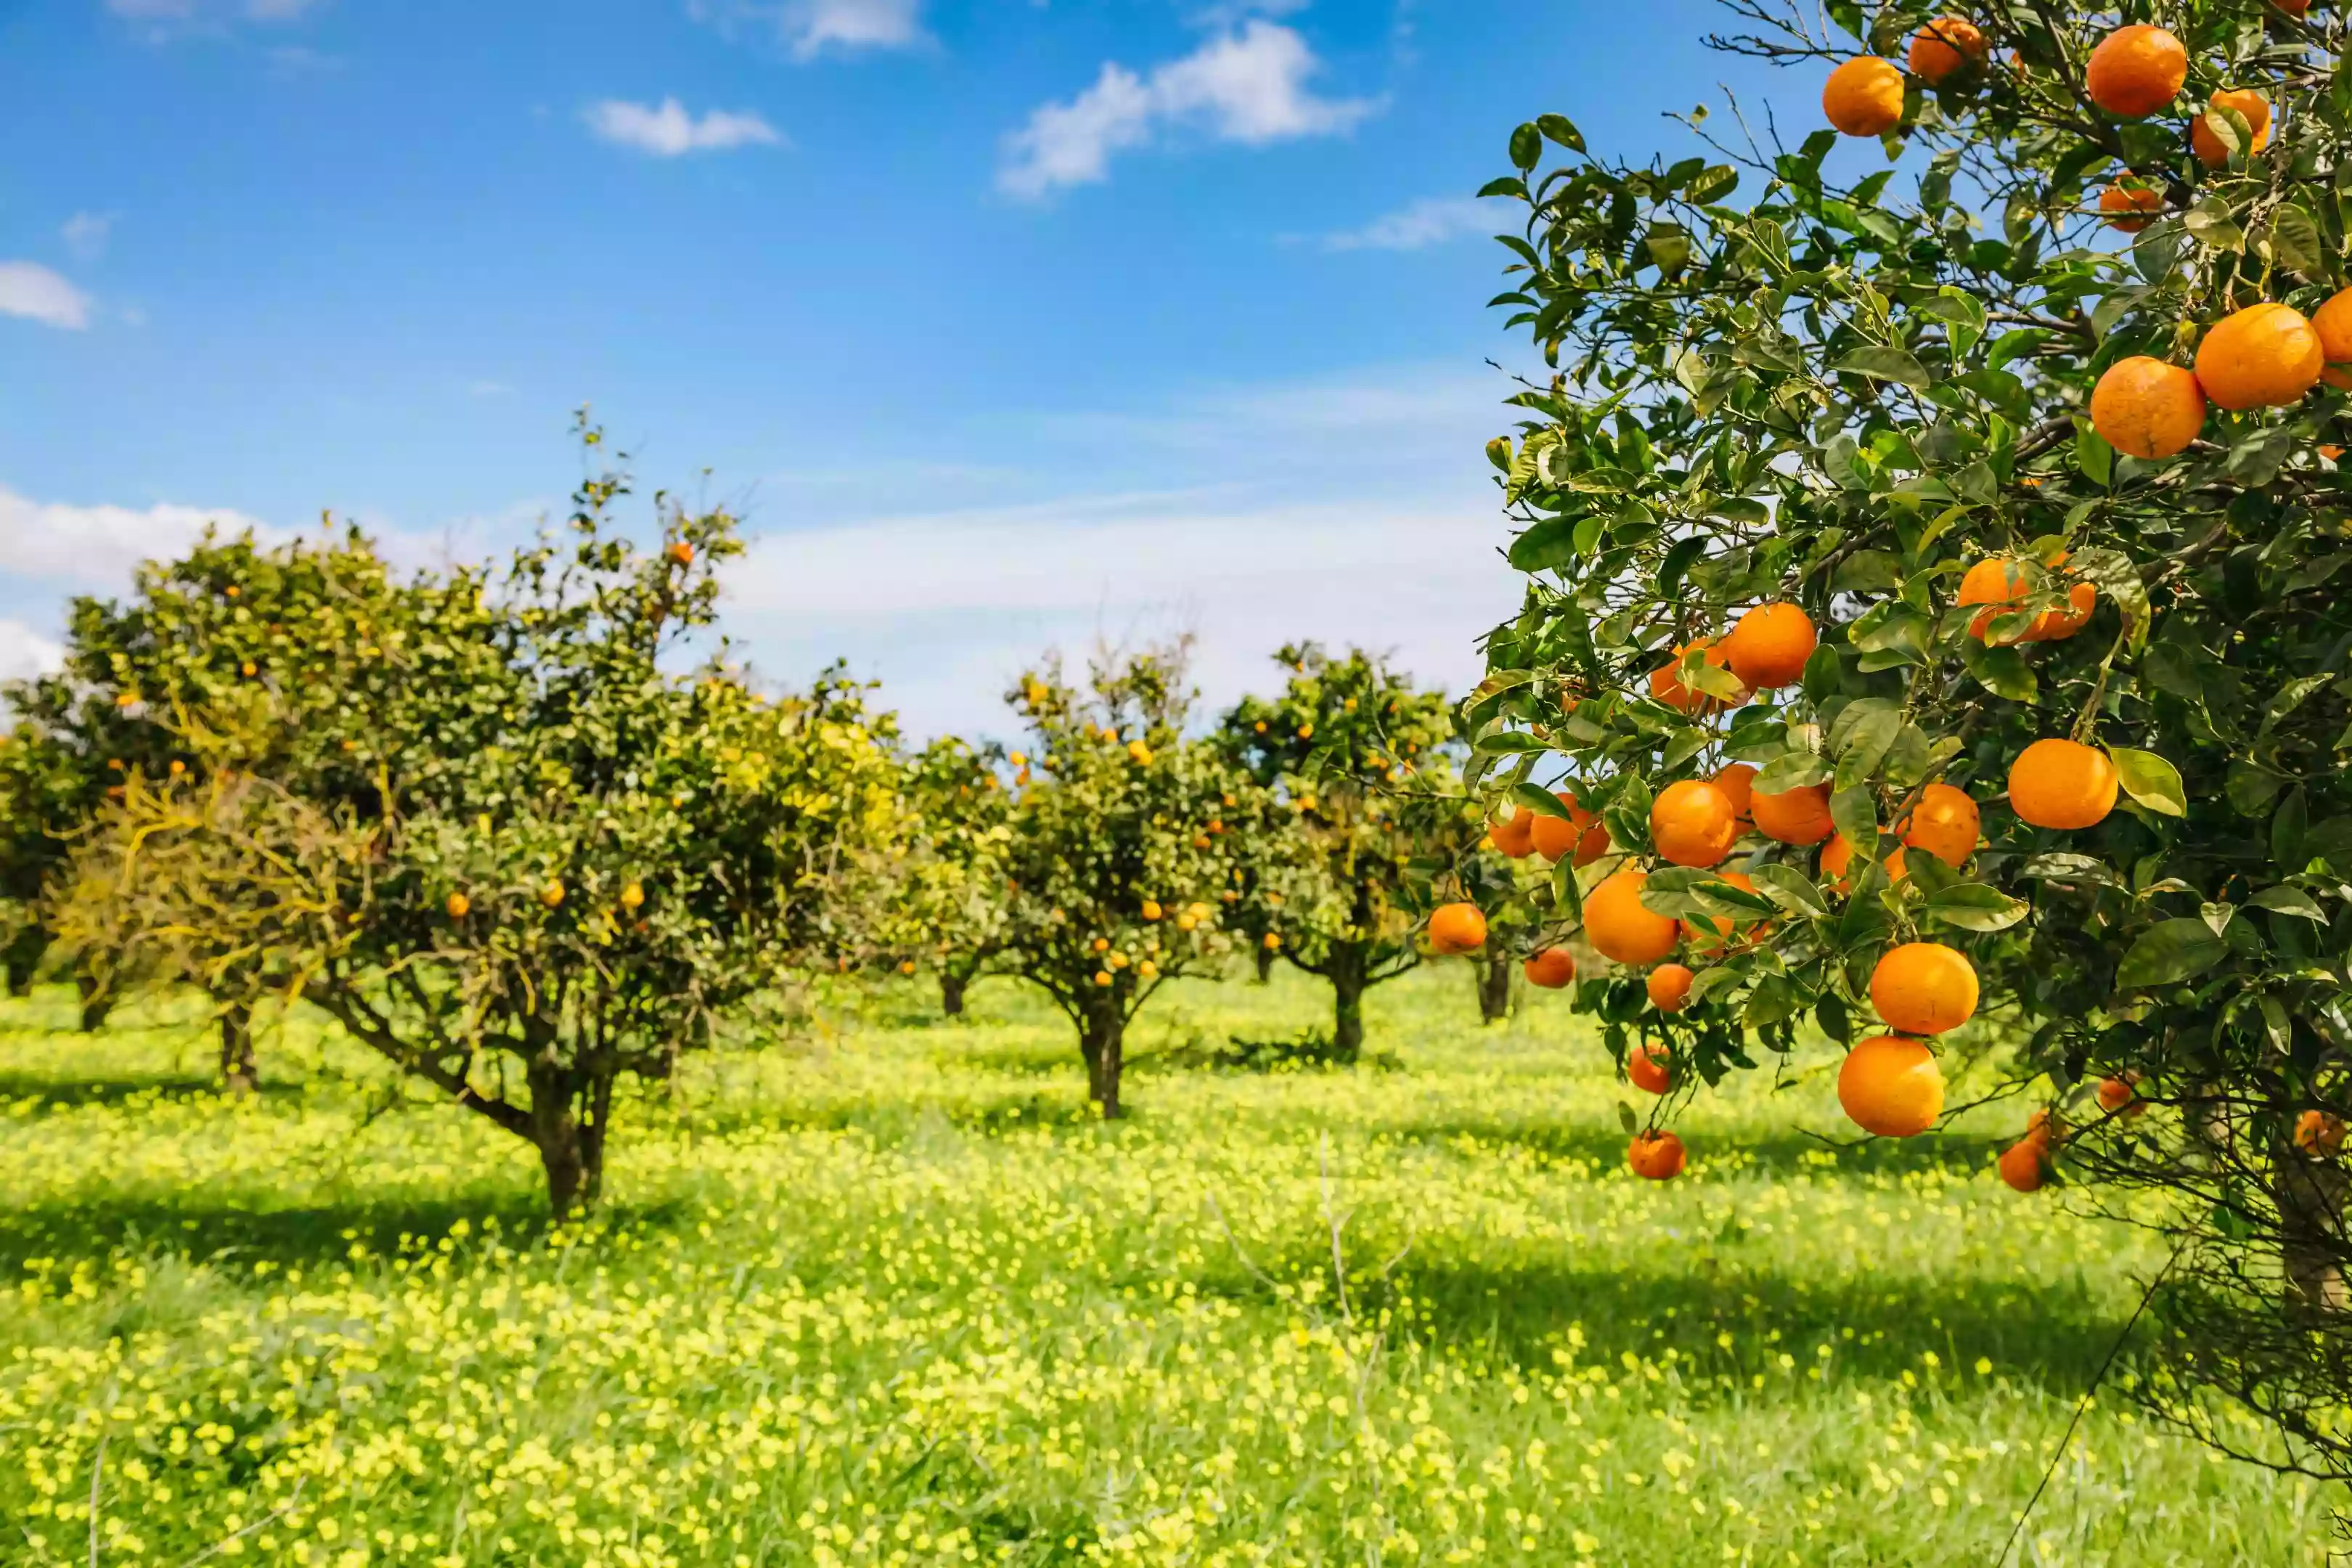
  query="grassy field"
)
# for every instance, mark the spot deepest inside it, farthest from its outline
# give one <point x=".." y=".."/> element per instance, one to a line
<point x="887" y="1295"/>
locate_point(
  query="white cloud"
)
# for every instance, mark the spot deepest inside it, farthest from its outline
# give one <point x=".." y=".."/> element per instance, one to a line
<point x="26" y="653"/>
<point x="167" y="17"/>
<point x="670" y="131"/>
<point x="809" y="27"/>
<point x="1430" y="221"/>
<point x="86" y="234"/>
<point x="97" y="546"/>
<point x="1247" y="84"/>
<point x="30" y="290"/>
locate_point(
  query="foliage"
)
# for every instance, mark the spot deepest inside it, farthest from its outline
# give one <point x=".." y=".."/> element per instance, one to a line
<point x="521" y="842"/>
<point x="937" y="888"/>
<point x="1779" y="382"/>
<point x="1119" y="851"/>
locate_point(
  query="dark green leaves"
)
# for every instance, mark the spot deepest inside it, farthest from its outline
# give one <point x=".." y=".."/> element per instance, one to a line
<point x="1973" y="905"/>
<point x="1887" y="364"/>
<point x="1526" y="148"/>
<point x="2168" y="952"/>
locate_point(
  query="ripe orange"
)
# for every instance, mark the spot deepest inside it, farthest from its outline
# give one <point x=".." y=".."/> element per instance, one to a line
<point x="1945" y="823"/>
<point x="1709" y="932"/>
<point x="552" y="894"/>
<point x="1551" y="969"/>
<point x="1693" y="823"/>
<point x="1799" y="815"/>
<point x="1655" y="1156"/>
<point x="1945" y="47"/>
<point x="1669" y="987"/>
<point x="1735" y="780"/>
<point x="2135" y="71"/>
<point x="2333" y="323"/>
<point x="1837" y="858"/>
<point x="457" y="904"/>
<point x="1770" y="646"/>
<point x="2144" y="407"/>
<point x="2119" y="1096"/>
<point x="1515" y="835"/>
<point x="2118" y="200"/>
<point x="680" y="552"/>
<point x="2062" y="783"/>
<point x="1457" y="928"/>
<point x="1891" y="1085"/>
<point x="1864" y="96"/>
<point x="1667" y="684"/>
<point x="1923" y="988"/>
<point x="2001" y="584"/>
<point x="2260" y="357"/>
<point x="1581" y="832"/>
<point x="2025" y="1164"/>
<point x="2247" y="102"/>
<point x="2319" y="1133"/>
<point x="1620" y="928"/>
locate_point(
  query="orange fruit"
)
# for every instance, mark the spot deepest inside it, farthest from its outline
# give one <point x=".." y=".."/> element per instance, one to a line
<point x="2135" y="71"/>
<point x="1457" y="928"/>
<point x="1666" y="686"/>
<point x="1515" y="835"/>
<point x="1581" y="832"/>
<point x="2057" y="626"/>
<point x="1945" y="47"/>
<point x="1799" y="815"/>
<point x="1923" y="988"/>
<point x="1669" y="987"/>
<point x="1768" y="647"/>
<point x="1620" y="928"/>
<point x="2260" y="357"/>
<point x="1551" y="969"/>
<point x="2001" y="583"/>
<point x="2119" y="1096"/>
<point x="2117" y="200"/>
<point x="2253" y="105"/>
<point x="1891" y="1085"/>
<point x="552" y="895"/>
<point x="457" y="904"/>
<point x="1693" y="823"/>
<point x="2319" y="1133"/>
<point x="680" y="552"/>
<point x="1864" y="96"/>
<point x="1837" y="858"/>
<point x="1709" y="932"/>
<point x="2333" y="323"/>
<point x="1735" y="780"/>
<point x="1657" y="1156"/>
<point x="2025" y="1164"/>
<point x="2144" y="407"/>
<point x="1945" y="823"/>
<point x="2062" y="783"/>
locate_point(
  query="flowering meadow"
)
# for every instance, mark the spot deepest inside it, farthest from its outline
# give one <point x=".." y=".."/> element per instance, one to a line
<point x="892" y="1293"/>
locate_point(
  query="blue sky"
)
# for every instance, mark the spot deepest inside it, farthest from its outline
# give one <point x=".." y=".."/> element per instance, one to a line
<point x="1009" y="322"/>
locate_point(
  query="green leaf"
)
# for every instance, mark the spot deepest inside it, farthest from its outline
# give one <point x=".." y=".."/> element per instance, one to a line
<point x="1887" y="364"/>
<point x="1526" y="148"/>
<point x="2093" y="455"/>
<point x="1712" y="982"/>
<point x="1511" y="743"/>
<point x="1539" y="800"/>
<point x="2295" y="241"/>
<point x="2283" y="899"/>
<point x="1562" y="129"/>
<point x="1792" y="770"/>
<point x="2168" y="952"/>
<point x="1685" y="744"/>
<point x="1973" y="905"/>
<point x="1856" y="815"/>
<point x="1627" y="1119"/>
<point x="2150" y="780"/>
<point x="2209" y="223"/>
<point x="1790" y="889"/>
<point x="1508" y="185"/>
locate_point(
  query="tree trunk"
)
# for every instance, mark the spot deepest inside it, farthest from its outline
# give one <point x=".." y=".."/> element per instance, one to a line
<point x="1494" y="988"/>
<point x="23" y="958"/>
<point x="1347" y="974"/>
<point x="239" y="1074"/>
<point x="1262" y="956"/>
<point x="2310" y="1197"/>
<point x="96" y="1002"/>
<point x="951" y="990"/>
<point x="571" y="1149"/>
<point x="1102" y="1032"/>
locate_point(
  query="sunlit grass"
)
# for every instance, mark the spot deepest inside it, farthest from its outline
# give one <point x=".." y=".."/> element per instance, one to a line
<point x="888" y="1295"/>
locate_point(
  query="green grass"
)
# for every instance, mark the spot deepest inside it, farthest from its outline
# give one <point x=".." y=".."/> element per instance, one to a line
<point x="887" y="1295"/>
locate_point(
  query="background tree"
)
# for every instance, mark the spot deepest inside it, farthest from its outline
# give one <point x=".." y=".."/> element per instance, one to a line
<point x="2048" y="468"/>
<point x="569" y="863"/>
<point x="1119" y="847"/>
<point x="938" y="890"/>
<point x="1363" y="801"/>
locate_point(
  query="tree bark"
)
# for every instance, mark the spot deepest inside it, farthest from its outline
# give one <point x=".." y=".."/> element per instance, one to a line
<point x="1262" y="956"/>
<point x="1102" y="1032"/>
<point x="571" y="1146"/>
<point x="1348" y="987"/>
<point x="240" y="1077"/>
<point x="1494" y="988"/>
<point x="96" y="1002"/>
<point x="23" y="958"/>
<point x="951" y="990"/>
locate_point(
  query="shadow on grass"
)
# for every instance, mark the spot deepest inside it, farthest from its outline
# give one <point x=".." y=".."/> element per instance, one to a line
<point x="1781" y="1153"/>
<point x="48" y="1091"/>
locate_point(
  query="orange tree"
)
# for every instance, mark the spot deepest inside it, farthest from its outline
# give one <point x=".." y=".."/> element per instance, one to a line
<point x="1954" y="561"/>
<point x="1365" y="801"/>
<point x="937" y="891"/>
<point x="572" y="859"/>
<point x="1118" y="847"/>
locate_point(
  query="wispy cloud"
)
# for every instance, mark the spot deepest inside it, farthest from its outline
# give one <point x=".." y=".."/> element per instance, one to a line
<point x="1247" y="84"/>
<point x="1433" y="220"/>
<point x="668" y="130"/>
<point x="166" y="18"/>
<point x="810" y="27"/>
<point x="29" y="290"/>
<point x="99" y="546"/>
<point x="26" y="653"/>
<point x="86" y="234"/>
<point x="488" y="389"/>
